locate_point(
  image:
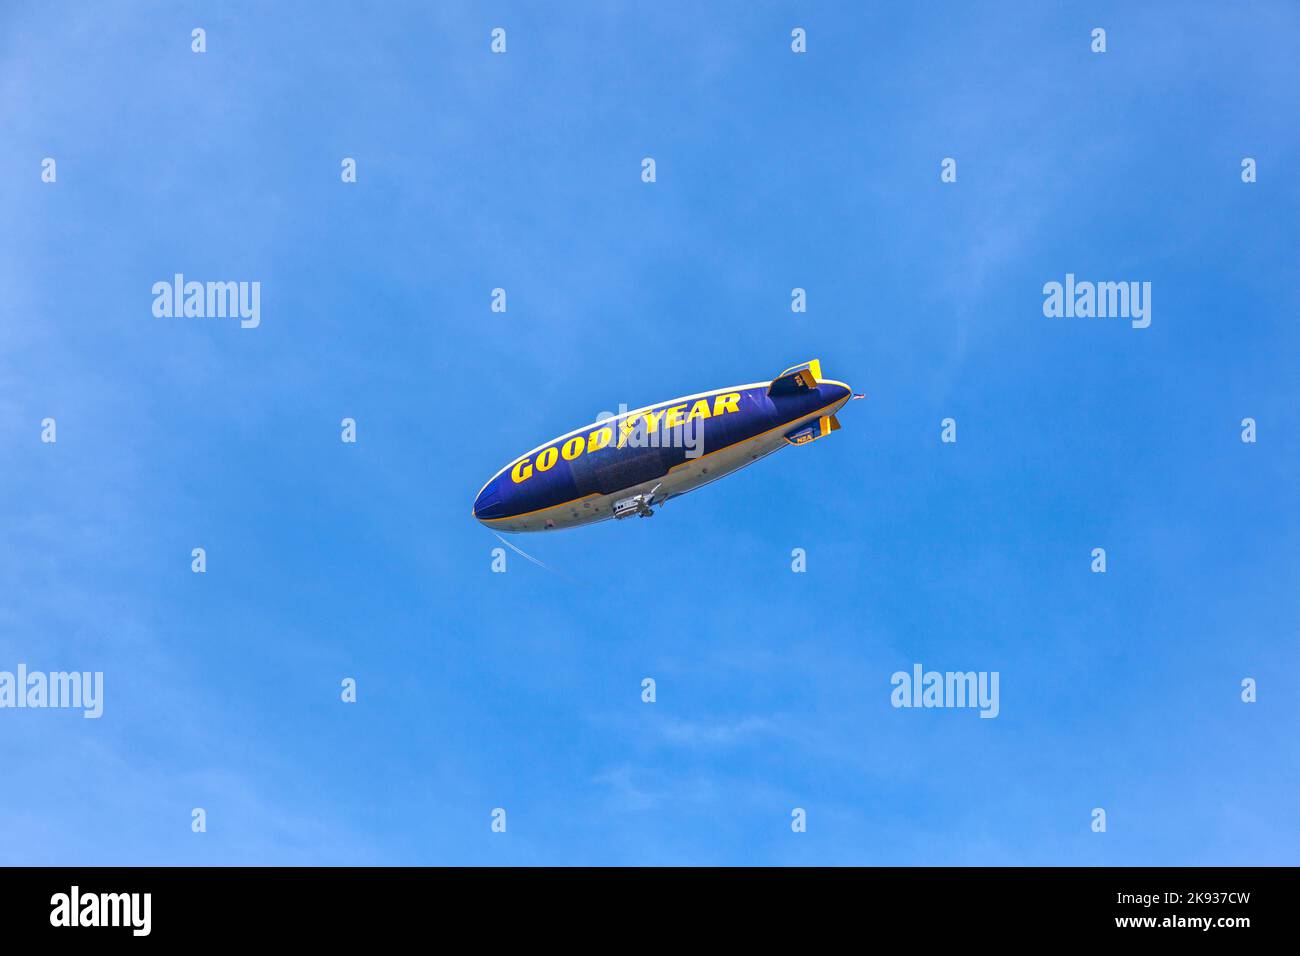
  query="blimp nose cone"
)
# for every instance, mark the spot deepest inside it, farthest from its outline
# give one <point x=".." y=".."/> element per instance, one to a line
<point x="490" y="502"/>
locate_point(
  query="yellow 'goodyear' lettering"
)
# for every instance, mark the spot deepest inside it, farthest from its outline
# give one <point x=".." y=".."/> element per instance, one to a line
<point x="672" y="416"/>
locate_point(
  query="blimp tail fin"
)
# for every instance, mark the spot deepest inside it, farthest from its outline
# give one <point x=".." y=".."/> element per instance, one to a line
<point x="813" y="430"/>
<point x="797" y="379"/>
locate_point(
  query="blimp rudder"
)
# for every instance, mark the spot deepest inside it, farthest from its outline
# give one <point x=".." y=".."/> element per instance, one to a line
<point x="801" y="378"/>
<point x="806" y="380"/>
<point x="804" y="385"/>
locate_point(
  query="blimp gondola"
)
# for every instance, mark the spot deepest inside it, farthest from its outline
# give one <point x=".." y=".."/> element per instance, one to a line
<point x="628" y="465"/>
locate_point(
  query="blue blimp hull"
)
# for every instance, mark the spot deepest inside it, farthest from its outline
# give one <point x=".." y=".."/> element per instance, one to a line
<point x="626" y="465"/>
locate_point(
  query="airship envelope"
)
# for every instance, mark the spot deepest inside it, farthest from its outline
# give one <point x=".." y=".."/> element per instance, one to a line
<point x="623" y="466"/>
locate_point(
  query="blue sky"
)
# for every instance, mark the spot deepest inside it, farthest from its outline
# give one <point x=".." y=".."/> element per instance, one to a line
<point x="522" y="690"/>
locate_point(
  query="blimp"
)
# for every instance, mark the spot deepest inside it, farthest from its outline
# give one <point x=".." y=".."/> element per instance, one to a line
<point x="630" y="464"/>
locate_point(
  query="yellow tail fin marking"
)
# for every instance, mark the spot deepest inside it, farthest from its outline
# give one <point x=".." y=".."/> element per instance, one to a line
<point x="814" y="369"/>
